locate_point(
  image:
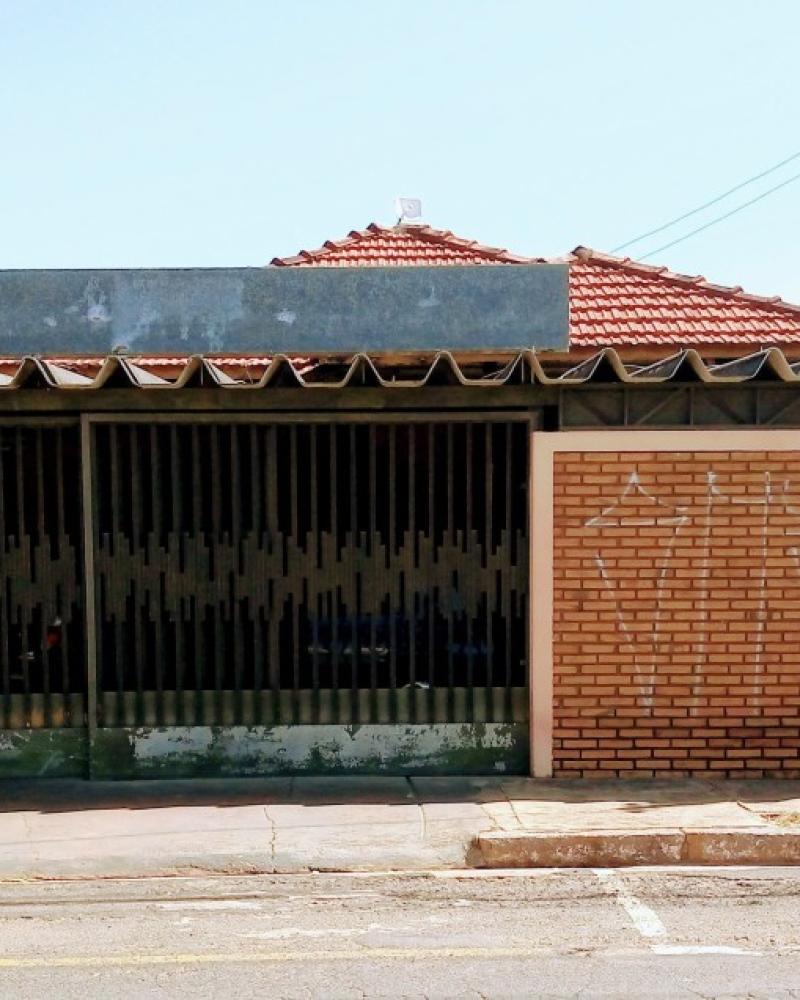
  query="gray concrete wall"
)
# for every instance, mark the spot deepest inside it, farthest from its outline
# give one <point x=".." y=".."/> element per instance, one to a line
<point x="283" y="309"/>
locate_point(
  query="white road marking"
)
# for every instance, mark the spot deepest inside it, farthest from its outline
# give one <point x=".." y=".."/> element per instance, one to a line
<point x="327" y="932"/>
<point x="488" y="873"/>
<point x="322" y="932"/>
<point x="212" y="904"/>
<point x="649" y="924"/>
<point x="333" y="895"/>
<point x="703" y="949"/>
<point x="645" y="920"/>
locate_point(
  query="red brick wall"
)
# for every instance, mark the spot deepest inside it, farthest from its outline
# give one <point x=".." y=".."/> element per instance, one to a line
<point x="677" y="614"/>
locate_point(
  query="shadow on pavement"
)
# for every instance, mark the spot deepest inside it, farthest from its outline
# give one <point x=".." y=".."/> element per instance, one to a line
<point x="633" y="796"/>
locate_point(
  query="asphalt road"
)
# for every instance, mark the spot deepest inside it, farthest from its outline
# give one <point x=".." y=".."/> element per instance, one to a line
<point x="726" y="932"/>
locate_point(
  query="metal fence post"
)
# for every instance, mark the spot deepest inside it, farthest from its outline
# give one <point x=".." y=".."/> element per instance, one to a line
<point x="540" y="603"/>
<point x="87" y="508"/>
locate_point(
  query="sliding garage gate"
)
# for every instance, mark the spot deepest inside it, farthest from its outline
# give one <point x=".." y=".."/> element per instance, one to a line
<point x="264" y="597"/>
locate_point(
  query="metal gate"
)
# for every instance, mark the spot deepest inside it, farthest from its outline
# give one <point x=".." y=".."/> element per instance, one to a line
<point x="43" y="680"/>
<point x="270" y="596"/>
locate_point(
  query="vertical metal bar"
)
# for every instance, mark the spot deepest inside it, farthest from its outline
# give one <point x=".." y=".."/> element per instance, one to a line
<point x="219" y="660"/>
<point x="392" y="543"/>
<point x="23" y="551"/>
<point x="451" y="533"/>
<point x="219" y="603"/>
<point x="8" y="615"/>
<point x="334" y="473"/>
<point x="5" y="610"/>
<point x="63" y="609"/>
<point x="294" y="513"/>
<point x="138" y="610"/>
<point x="197" y="614"/>
<point x="5" y="622"/>
<point x="45" y="575"/>
<point x="138" y="606"/>
<point x="18" y="443"/>
<point x="236" y="608"/>
<point x="236" y="624"/>
<point x="157" y="601"/>
<point x="177" y="484"/>
<point x="237" y="498"/>
<point x="509" y="558"/>
<point x="113" y="447"/>
<point x="312" y="574"/>
<point x="216" y="486"/>
<point x="294" y="534"/>
<point x="177" y="536"/>
<point x="469" y="586"/>
<point x="197" y="610"/>
<point x="24" y="546"/>
<point x="332" y="600"/>
<point x="180" y="656"/>
<point x="353" y="582"/>
<point x="257" y="605"/>
<point x="313" y="485"/>
<point x="272" y="467"/>
<point x="119" y="645"/>
<point x="133" y="485"/>
<point x="468" y="444"/>
<point x="156" y="490"/>
<point x="60" y="527"/>
<point x="255" y="481"/>
<point x="412" y="563"/>
<point x="430" y="603"/>
<point x="87" y="510"/>
<point x="373" y="547"/>
<point x="450" y="528"/>
<point x="488" y="553"/>
<point x="197" y="488"/>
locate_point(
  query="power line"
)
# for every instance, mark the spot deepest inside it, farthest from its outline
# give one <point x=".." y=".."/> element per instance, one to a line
<point x="721" y="218"/>
<point x="708" y="204"/>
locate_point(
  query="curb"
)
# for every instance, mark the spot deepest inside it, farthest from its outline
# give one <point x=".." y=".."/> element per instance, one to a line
<point x="622" y="848"/>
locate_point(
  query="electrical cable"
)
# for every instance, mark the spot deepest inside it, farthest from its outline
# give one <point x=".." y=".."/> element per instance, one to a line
<point x="721" y="218"/>
<point x="708" y="204"/>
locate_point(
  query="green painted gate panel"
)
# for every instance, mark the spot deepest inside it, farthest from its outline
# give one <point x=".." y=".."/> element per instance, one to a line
<point x="44" y="753"/>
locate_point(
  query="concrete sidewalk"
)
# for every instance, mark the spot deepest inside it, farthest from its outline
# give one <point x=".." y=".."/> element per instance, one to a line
<point x="61" y="829"/>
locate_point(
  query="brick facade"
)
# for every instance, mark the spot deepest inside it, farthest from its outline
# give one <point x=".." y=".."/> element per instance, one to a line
<point x="676" y="614"/>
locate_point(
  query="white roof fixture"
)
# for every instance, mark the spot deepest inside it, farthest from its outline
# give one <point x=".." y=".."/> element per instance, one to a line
<point x="409" y="211"/>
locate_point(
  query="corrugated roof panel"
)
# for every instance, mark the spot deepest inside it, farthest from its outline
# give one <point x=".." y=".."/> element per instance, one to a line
<point x="442" y="368"/>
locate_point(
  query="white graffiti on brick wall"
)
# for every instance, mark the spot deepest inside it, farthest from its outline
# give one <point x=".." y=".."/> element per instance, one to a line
<point x="658" y="514"/>
<point x="639" y="507"/>
<point x="713" y="493"/>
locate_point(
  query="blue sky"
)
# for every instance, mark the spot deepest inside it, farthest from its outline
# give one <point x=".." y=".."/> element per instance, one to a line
<point x="222" y="133"/>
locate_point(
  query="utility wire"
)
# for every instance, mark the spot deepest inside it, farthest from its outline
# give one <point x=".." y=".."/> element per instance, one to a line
<point x="708" y="204"/>
<point x="721" y="218"/>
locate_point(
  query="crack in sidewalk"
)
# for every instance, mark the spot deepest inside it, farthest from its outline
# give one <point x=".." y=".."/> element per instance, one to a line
<point x="273" y="835"/>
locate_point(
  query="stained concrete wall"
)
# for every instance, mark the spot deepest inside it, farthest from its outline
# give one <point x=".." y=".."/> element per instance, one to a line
<point x="283" y="309"/>
<point x="206" y="751"/>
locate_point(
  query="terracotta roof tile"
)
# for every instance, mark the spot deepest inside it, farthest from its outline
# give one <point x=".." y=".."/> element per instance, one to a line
<point x="398" y="246"/>
<point x="614" y="301"/>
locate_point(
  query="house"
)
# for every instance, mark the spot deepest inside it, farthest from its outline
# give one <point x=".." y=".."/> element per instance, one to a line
<point x="576" y="560"/>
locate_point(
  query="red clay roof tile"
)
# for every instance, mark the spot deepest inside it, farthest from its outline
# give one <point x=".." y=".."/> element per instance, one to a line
<point x="614" y="301"/>
<point x="385" y="246"/>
